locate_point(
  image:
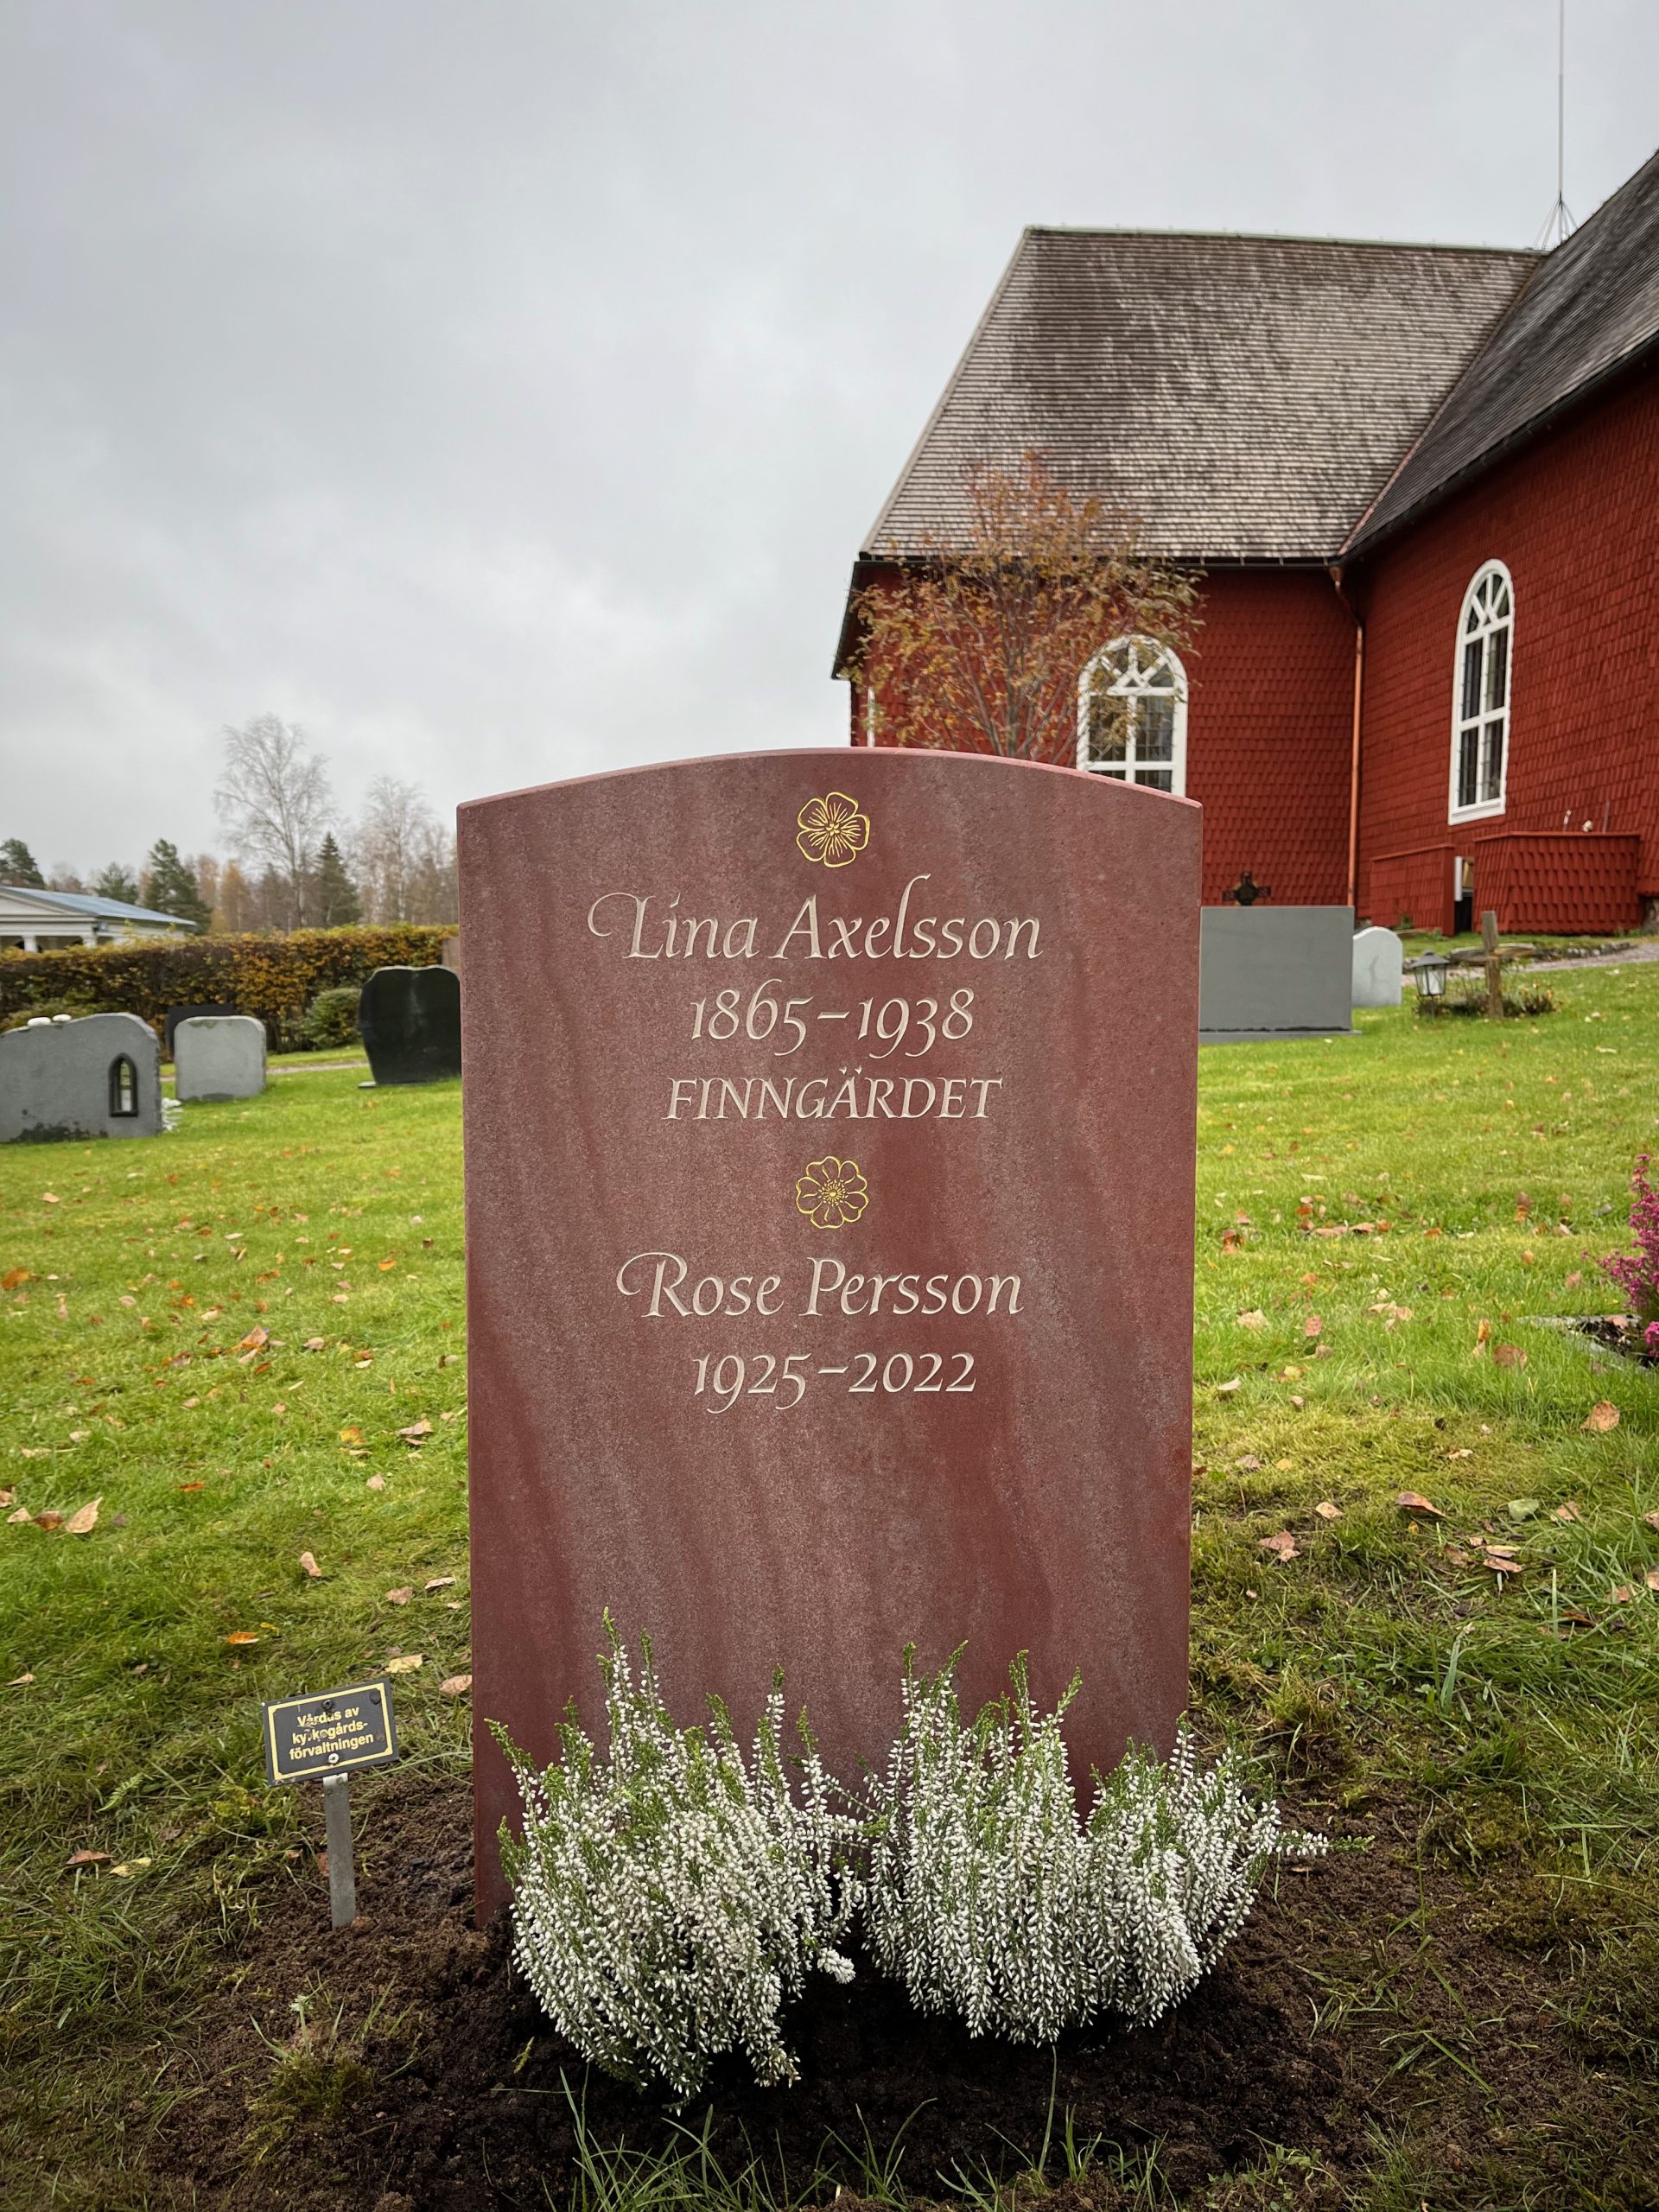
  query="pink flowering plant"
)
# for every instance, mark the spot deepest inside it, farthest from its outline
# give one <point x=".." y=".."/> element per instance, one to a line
<point x="1637" y="1273"/>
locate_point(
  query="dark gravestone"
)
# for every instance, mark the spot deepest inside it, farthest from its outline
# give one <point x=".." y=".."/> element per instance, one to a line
<point x="175" y="1014"/>
<point x="410" y="1022"/>
<point x="830" y="1174"/>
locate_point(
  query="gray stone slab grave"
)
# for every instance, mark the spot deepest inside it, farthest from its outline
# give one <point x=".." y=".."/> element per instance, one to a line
<point x="1379" y="968"/>
<point x="410" y="1022"/>
<point x="1274" y="971"/>
<point x="218" y="1056"/>
<point x="175" y="1014"/>
<point x="97" y="1077"/>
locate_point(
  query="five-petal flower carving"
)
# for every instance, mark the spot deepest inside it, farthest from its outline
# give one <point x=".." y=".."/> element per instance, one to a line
<point x="831" y="829"/>
<point x="832" y="1193"/>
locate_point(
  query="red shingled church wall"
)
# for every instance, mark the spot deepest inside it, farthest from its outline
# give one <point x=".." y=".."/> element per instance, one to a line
<point x="1574" y="517"/>
<point x="1269" y="732"/>
<point x="1560" y="882"/>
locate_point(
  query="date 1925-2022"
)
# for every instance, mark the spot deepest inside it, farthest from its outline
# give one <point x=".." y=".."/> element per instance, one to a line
<point x="723" y="1381"/>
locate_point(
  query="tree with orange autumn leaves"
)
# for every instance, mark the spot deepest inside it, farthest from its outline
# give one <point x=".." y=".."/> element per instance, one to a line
<point x="980" y="647"/>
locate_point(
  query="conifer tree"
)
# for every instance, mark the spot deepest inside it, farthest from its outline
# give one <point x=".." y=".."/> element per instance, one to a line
<point x="115" y="883"/>
<point x="171" y="889"/>
<point x="333" y="894"/>
<point x="19" y="866"/>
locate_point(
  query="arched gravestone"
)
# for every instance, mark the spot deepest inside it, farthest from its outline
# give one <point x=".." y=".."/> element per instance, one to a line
<point x="218" y="1057"/>
<point x="1379" y="968"/>
<point x="175" y="1014"/>
<point x="829" y="1124"/>
<point x="410" y="1022"/>
<point x="97" y="1077"/>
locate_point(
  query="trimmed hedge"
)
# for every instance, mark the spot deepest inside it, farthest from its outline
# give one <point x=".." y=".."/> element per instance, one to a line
<point x="275" y="977"/>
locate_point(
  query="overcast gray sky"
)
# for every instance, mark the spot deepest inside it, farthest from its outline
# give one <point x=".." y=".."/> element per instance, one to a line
<point x="500" y="388"/>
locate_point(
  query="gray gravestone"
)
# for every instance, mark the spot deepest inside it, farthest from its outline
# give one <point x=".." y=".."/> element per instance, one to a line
<point x="1274" y="972"/>
<point x="1379" y="968"/>
<point x="99" y="1077"/>
<point x="410" y="1022"/>
<point x="219" y="1057"/>
<point x="175" y="1014"/>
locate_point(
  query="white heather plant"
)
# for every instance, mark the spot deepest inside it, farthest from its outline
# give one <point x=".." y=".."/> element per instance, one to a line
<point x="669" y="1898"/>
<point x="990" y="1898"/>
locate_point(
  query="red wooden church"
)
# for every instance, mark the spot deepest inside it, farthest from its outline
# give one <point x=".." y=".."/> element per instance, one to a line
<point x="1419" y="487"/>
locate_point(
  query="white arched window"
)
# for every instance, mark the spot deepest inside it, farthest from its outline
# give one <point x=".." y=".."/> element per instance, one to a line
<point x="1132" y="714"/>
<point x="1480" y="694"/>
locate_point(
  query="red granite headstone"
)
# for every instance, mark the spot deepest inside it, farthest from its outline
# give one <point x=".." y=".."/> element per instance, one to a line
<point x="829" y="1166"/>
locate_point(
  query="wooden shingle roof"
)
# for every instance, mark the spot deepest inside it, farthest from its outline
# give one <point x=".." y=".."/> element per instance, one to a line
<point x="1591" y="310"/>
<point x="1245" y="398"/>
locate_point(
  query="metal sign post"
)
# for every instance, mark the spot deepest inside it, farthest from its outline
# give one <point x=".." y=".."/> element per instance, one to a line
<point x="337" y="1828"/>
<point x="326" y="1738"/>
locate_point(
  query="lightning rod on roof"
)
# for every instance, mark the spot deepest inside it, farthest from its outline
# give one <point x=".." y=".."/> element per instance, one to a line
<point x="1559" y="222"/>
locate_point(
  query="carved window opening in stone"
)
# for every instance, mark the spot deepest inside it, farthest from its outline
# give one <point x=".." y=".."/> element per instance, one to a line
<point x="124" y="1087"/>
<point x="1480" y="695"/>
<point x="1132" y="716"/>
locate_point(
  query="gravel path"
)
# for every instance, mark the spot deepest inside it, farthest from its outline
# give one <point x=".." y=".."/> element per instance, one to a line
<point x="1645" y="948"/>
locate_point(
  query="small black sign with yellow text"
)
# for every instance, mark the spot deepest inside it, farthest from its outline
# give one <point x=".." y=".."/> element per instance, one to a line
<point x="330" y="1732"/>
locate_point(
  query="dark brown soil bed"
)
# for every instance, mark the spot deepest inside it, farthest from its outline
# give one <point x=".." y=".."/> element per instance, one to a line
<point x="1618" y="1333"/>
<point x="422" y="2077"/>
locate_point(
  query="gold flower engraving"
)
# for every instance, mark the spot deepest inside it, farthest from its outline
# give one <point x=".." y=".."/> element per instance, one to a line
<point x="832" y="1193"/>
<point x="831" y="829"/>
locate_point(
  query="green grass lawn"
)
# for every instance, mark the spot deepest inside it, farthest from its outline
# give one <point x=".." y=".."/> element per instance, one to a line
<point x="224" y="1335"/>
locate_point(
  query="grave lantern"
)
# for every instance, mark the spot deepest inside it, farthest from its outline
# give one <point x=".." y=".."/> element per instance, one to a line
<point x="1428" y="973"/>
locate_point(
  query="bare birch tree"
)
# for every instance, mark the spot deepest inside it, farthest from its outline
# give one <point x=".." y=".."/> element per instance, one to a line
<point x="404" y="856"/>
<point x="275" y="802"/>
